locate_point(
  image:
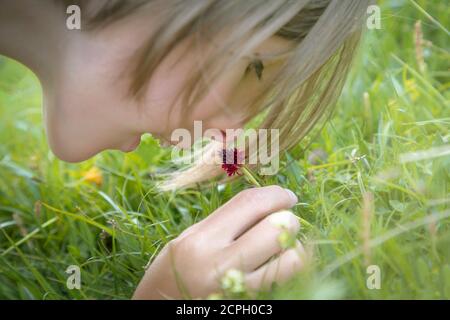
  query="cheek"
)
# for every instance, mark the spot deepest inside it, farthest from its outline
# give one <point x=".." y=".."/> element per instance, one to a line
<point x="220" y="109"/>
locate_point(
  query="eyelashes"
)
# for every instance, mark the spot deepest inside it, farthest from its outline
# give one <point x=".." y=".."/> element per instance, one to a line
<point x="257" y="66"/>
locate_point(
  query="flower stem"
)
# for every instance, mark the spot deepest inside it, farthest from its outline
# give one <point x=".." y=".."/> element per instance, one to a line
<point x="250" y="177"/>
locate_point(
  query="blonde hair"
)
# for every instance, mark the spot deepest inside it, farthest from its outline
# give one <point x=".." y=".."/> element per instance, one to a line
<point x="325" y="33"/>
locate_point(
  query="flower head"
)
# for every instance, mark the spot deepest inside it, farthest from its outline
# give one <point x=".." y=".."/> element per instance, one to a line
<point x="232" y="160"/>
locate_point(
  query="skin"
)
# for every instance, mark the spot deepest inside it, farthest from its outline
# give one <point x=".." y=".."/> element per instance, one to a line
<point x="87" y="109"/>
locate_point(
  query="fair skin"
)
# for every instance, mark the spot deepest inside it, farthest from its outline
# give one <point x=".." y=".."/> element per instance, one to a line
<point x="87" y="109"/>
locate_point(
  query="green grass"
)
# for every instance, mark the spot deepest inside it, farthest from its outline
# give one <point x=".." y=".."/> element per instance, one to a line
<point x="50" y="217"/>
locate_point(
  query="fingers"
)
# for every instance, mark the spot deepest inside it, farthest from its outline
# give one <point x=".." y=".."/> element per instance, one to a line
<point x="247" y="208"/>
<point x="277" y="271"/>
<point x="262" y="241"/>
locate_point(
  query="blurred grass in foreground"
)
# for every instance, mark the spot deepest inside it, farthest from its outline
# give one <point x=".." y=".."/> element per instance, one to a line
<point x="373" y="186"/>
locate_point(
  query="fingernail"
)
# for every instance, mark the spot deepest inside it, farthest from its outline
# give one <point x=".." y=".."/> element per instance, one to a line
<point x="292" y="195"/>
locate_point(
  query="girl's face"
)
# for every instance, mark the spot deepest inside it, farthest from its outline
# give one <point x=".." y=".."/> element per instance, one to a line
<point x="89" y="109"/>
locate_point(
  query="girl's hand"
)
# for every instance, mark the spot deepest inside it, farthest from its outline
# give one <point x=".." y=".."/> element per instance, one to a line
<point x="243" y="234"/>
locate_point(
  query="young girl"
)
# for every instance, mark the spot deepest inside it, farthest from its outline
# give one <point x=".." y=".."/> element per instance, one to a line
<point x="153" y="66"/>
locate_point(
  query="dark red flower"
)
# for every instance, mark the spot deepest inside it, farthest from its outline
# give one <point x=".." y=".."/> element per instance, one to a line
<point x="232" y="160"/>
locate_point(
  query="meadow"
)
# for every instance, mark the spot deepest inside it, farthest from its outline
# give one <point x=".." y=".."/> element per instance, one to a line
<point x="373" y="185"/>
